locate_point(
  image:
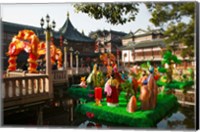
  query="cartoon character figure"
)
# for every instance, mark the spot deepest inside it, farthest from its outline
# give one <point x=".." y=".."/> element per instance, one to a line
<point x="83" y="82"/>
<point x="111" y="89"/>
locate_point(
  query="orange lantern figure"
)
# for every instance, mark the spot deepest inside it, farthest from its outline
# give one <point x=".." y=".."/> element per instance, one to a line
<point x="27" y="41"/>
<point x="98" y="95"/>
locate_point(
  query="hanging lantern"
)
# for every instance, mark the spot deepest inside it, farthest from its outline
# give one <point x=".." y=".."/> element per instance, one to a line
<point x="61" y="41"/>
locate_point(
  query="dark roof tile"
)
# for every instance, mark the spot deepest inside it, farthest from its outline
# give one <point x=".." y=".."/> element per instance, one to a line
<point x="70" y="33"/>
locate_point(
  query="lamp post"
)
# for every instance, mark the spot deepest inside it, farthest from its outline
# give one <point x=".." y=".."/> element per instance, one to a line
<point x="77" y="53"/>
<point x="71" y="57"/>
<point x="48" y="30"/>
<point x="65" y="54"/>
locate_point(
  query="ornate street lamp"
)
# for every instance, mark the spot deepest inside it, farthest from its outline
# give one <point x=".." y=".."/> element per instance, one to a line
<point x="65" y="53"/>
<point x="48" y="30"/>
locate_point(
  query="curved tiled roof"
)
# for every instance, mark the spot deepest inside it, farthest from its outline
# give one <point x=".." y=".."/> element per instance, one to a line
<point x="144" y="44"/>
<point x="152" y="43"/>
<point x="70" y="33"/>
<point x="14" y="27"/>
<point x="67" y="30"/>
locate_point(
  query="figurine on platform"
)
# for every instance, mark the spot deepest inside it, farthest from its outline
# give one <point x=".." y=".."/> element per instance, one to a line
<point x="144" y="92"/>
<point x="83" y="82"/>
<point x="112" y="93"/>
<point x="91" y="78"/>
<point x="117" y="74"/>
<point x="153" y="88"/>
<point x="132" y="104"/>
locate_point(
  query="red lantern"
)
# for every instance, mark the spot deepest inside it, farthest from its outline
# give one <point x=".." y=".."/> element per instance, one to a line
<point x="32" y="56"/>
<point x="98" y="93"/>
<point x="61" y="41"/>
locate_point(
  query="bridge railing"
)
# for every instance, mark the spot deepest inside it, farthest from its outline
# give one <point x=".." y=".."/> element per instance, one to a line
<point x="59" y="76"/>
<point x="29" y="88"/>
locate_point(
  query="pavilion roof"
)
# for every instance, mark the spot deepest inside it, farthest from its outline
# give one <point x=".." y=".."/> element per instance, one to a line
<point x="72" y="34"/>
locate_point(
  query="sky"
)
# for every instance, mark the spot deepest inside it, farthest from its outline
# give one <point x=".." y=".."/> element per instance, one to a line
<point x="30" y="14"/>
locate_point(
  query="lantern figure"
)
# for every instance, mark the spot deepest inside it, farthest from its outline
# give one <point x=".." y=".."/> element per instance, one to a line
<point x="61" y="41"/>
<point x="98" y="96"/>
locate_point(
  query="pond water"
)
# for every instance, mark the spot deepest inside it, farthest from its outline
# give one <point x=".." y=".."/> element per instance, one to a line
<point x="183" y="118"/>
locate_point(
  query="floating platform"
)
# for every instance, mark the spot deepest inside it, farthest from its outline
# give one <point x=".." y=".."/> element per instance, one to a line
<point x="118" y="116"/>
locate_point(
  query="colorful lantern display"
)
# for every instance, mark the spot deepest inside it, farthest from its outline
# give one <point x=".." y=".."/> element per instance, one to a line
<point x="27" y="41"/>
<point x="98" y="95"/>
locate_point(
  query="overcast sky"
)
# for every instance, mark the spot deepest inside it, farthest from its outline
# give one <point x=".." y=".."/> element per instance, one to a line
<point x="30" y="14"/>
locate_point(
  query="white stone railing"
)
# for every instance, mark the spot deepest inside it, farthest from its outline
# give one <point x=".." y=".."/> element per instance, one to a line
<point x="27" y="86"/>
<point x="74" y="71"/>
<point x="59" y="76"/>
<point x="15" y="74"/>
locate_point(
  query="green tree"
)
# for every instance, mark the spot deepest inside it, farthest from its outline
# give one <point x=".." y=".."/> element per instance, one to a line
<point x="114" y="13"/>
<point x="170" y="59"/>
<point x="178" y="20"/>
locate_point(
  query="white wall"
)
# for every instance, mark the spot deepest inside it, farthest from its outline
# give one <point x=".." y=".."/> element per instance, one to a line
<point x="129" y="57"/>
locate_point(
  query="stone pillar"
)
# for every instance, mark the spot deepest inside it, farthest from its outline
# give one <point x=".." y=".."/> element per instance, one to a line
<point x="77" y="64"/>
<point x="71" y="60"/>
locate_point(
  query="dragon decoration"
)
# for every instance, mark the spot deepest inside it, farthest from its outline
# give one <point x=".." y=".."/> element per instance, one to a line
<point x="27" y="41"/>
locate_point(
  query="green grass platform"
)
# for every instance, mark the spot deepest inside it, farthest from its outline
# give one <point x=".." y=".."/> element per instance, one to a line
<point x="77" y="92"/>
<point x="139" y="119"/>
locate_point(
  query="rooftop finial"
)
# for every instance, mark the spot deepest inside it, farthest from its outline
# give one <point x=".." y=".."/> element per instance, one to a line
<point x="68" y="14"/>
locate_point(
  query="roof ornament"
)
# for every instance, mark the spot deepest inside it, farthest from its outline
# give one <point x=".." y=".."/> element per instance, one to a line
<point x="68" y="14"/>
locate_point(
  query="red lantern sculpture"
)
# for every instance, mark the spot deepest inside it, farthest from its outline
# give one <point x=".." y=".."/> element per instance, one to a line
<point x="98" y="95"/>
<point x="61" y="41"/>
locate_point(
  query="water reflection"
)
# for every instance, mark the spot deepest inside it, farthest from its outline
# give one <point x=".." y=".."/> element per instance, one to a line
<point x="182" y="119"/>
<point x="90" y="124"/>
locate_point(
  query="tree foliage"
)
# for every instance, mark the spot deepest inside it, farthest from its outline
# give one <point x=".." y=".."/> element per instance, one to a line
<point x="178" y="20"/>
<point x="170" y="59"/>
<point x="98" y="33"/>
<point x="114" y="13"/>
